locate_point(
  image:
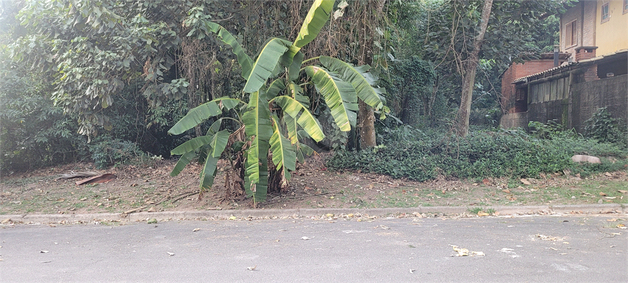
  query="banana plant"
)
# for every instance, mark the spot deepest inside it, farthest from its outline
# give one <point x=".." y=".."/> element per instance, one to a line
<point x="276" y="115"/>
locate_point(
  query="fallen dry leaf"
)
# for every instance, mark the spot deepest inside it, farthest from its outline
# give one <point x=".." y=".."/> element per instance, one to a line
<point x="548" y="238"/>
<point x="251" y="268"/>
<point x="506" y="191"/>
<point x="611" y="220"/>
<point x="465" y="252"/>
<point x="621" y="226"/>
<point x="525" y="182"/>
<point x="460" y="251"/>
<point x="170" y="254"/>
<point x="196" y="229"/>
<point x="623" y="191"/>
<point x="603" y="194"/>
<point x="482" y="213"/>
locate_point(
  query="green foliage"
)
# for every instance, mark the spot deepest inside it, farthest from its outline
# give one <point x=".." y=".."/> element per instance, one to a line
<point x="410" y="89"/>
<point x="550" y="130"/>
<point x="444" y="33"/>
<point x="106" y="151"/>
<point x="606" y="129"/>
<point x="33" y="132"/>
<point x="275" y="110"/>
<point x="481" y="154"/>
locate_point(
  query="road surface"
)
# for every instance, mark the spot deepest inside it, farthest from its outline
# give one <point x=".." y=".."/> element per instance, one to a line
<point x="519" y="249"/>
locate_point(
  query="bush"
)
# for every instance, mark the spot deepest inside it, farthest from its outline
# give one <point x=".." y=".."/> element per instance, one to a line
<point x="482" y="154"/>
<point x="107" y="151"/>
<point x="33" y="132"/>
<point x="603" y="127"/>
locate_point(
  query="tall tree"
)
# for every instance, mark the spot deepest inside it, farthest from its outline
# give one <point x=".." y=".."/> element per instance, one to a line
<point x="468" y="73"/>
<point x="461" y="33"/>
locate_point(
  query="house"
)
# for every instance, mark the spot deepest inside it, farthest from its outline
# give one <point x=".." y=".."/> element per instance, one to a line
<point x="589" y="70"/>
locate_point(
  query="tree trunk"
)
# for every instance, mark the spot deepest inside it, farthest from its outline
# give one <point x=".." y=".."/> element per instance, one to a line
<point x="468" y="74"/>
<point x="366" y="126"/>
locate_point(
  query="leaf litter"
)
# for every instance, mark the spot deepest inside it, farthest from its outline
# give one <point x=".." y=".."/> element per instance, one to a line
<point x="150" y="188"/>
<point x="465" y="252"/>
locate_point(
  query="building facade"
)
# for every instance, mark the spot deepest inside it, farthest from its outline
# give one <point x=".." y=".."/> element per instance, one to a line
<point x="592" y="74"/>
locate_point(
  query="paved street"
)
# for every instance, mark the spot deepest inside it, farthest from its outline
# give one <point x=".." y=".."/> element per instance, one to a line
<point x="521" y="249"/>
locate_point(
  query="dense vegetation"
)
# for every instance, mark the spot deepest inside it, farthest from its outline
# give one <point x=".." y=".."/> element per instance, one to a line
<point x="421" y="156"/>
<point x="104" y="81"/>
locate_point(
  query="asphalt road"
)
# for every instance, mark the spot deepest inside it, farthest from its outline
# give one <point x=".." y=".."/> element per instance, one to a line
<point x="520" y="249"/>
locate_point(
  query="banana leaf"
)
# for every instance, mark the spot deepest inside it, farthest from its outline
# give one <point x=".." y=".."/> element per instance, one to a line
<point x="218" y="145"/>
<point x="258" y="128"/>
<point x="359" y="77"/>
<point x="291" y="128"/>
<point x="184" y="160"/>
<point x="202" y="112"/>
<point x="339" y="96"/>
<point x="191" y="145"/>
<point x="284" y="152"/>
<point x="295" y="67"/>
<point x="275" y="87"/>
<point x="209" y="173"/>
<point x="246" y="63"/>
<point x="265" y="64"/>
<point x="315" y="20"/>
<point x="304" y="118"/>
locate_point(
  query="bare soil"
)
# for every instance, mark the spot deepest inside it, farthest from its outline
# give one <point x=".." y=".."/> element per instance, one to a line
<point x="149" y="187"/>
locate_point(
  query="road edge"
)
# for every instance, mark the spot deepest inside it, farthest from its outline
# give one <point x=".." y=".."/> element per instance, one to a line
<point x="434" y="211"/>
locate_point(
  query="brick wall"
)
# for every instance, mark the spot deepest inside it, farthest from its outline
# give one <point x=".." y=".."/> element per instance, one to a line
<point x="516" y="71"/>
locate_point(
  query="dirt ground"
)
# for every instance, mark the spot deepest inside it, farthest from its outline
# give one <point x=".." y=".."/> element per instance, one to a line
<point x="150" y="188"/>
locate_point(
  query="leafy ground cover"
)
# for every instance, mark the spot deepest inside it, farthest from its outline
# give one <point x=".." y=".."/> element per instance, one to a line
<point x="504" y="153"/>
<point x="150" y="188"/>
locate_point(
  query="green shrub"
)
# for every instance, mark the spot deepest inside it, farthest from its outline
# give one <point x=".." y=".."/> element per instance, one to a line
<point x="107" y="151"/>
<point x="603" y="127"/>
<point x="33" y="131"/>
<point x="511" y="153"/>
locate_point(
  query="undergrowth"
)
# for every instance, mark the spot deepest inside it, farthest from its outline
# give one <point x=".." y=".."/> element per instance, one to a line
<point x="510" y="153"/>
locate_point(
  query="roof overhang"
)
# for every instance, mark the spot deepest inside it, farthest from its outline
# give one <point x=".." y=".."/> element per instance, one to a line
<point x="570" y="67"/>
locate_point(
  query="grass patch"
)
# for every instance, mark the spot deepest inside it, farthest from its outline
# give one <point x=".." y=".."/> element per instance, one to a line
<point x="480" y="211"/>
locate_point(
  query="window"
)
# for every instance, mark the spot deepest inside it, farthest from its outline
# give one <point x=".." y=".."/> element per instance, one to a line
<point x="605" y="15"/>
<point x="625" y="10"/>
<point x="571" y="34"/>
